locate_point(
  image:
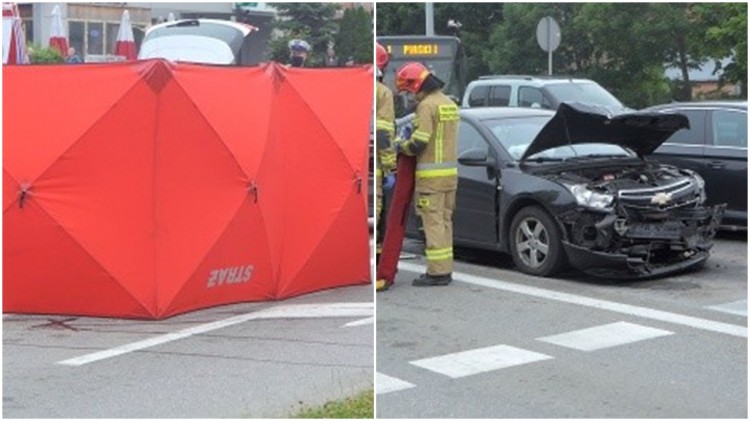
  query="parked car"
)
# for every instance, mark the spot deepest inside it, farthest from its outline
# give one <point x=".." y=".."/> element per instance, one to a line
<point x="715" y="146"/>
<point x="536" y="92"/>
<point x="573" y="187"/>
<point x="207" y="41"/>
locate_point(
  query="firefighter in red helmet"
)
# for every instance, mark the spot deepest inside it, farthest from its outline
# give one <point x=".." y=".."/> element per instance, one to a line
<point x="384" y="132"/>
<point x="434" y="143"/>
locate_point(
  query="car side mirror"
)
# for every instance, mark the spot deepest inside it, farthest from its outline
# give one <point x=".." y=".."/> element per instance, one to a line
<point x="475" y="158"/>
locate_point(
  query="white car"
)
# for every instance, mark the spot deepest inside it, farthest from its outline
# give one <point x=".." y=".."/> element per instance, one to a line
<point x="207" y="41"/>
<point x="546" y="92"/>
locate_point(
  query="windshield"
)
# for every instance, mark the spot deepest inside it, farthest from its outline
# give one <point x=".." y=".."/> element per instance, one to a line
<point x="585" y="92"/>
<point x="516" y="134"/>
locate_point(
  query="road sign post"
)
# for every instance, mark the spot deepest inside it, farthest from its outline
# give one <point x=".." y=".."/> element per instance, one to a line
<point x="548" y="36"/>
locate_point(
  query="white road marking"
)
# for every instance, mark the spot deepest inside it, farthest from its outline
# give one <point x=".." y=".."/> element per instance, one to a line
<point x="296" y="311"/>
<point x="475" y="361"/>
<point x="388" y="384"/>
<point x="605" y="336"/>
<point x="648" y="313"/>
<point x="737" y="307"/>
<point x="367" y="321"/>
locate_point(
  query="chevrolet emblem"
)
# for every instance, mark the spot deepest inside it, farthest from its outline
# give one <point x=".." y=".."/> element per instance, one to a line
<point x="661" y="198"/>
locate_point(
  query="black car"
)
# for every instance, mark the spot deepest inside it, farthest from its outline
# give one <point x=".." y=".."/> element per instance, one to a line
<point x="573" y="187"/>
<point x="715" y="147"/>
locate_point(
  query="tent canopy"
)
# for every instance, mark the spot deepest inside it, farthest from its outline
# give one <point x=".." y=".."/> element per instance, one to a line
<point x="163" y="188"/>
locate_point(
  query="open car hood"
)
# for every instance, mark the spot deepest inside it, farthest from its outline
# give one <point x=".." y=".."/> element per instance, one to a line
<point x="574" y="123"/>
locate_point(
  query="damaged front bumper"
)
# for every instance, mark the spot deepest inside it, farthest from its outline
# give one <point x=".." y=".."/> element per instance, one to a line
<point x="613" y="246"/>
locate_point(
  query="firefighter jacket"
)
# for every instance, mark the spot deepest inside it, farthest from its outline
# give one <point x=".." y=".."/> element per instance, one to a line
<point x="434" y="143"/>
<point x="384" y="130"/>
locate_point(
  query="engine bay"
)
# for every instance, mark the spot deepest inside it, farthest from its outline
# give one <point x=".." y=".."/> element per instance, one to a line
<point x="611" y="180"/>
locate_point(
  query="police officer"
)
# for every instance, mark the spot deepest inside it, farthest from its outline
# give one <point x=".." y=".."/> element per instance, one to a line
<point x="298" y="51"/>
<point x="434" y="143"/>
<point x="384" y="132"/>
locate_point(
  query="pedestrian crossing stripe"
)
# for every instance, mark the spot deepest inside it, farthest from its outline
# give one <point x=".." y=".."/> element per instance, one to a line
<point x="737" y="307"/>
<point x="467" y="363"/>
<point x="388" y="384"/>
<point x="605" y="336"/>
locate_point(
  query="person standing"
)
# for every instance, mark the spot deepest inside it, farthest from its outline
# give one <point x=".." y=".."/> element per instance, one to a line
<point x="298" y="51"/>
<point x="434" y="143"/>
<point x="384" y="132"/>
<point x="332" y="59"/>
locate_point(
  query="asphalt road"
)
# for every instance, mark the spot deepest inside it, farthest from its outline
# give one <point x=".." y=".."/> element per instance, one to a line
<point x="247" y="360"/>
<point x="500" y="344"/>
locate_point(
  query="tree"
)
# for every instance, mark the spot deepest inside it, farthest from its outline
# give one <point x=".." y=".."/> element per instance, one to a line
<point x="312" y="22"/>
<point x="400" y="19"/>
<point x="625" y="47"/>
<point x="514" y="47"/>
<point x="477" y="20"/>
<point x="727" y="37"/>
<point x="354" y="37"/>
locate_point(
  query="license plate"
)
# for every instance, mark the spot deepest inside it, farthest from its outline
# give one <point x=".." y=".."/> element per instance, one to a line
<point x="664" y="230"/>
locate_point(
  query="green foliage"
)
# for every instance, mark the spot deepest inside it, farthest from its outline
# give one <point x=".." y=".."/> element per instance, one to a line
<point x="355" y="36"/>
<point x="312" y="22"/>
<point x="477" y="20"/>
<point x="626" y="47"/>
<point x="727" y="37"/>
<point x="400" y="19"/>
<point x="360" y="406"/>
<point x="515" y="50"/>
<point x="45" y="55"/>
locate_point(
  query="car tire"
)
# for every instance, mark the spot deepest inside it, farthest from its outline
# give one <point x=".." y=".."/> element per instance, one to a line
<point x="535" y="242"/>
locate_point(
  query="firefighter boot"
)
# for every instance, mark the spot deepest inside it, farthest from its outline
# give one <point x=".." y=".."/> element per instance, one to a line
<point x="427" y="280"/>
<point x="381" y="285"/>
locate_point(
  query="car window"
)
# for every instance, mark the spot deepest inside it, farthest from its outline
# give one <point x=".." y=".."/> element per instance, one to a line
<point x="500" y="96"/>
<point x="470" y="138"/>
<point x="516" y="133"/>
<point x="730" y="128"/>
<point x="532" y="97"/>
<point x="478" y="96"/>
<point x="697" y="132"/>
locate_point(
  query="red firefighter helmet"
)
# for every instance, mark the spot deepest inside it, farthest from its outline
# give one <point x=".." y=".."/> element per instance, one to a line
<point x="381" y="56"/>
<point x="411" y="76"/>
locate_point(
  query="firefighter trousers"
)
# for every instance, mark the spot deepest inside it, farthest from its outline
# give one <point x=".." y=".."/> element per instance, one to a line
<point x="436" y="211"/>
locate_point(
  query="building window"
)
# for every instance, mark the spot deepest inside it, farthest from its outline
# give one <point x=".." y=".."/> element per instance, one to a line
<point x="93" y="38"/>
<point x="112" y="30"/>
<point x="77" y="39"/>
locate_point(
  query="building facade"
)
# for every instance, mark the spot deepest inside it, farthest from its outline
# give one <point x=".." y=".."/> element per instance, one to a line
<point x="92" y="27"/>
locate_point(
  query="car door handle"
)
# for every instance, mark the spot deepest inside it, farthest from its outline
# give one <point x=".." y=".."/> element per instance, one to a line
<point x="716" y="164"/>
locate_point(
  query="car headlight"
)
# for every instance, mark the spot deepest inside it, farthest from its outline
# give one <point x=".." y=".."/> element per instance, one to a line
<point x="589" y="198"/>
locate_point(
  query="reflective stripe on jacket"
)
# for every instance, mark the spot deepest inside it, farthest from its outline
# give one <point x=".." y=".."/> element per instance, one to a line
<point x="384" y="129"/>
<point x="435" y="142"/>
